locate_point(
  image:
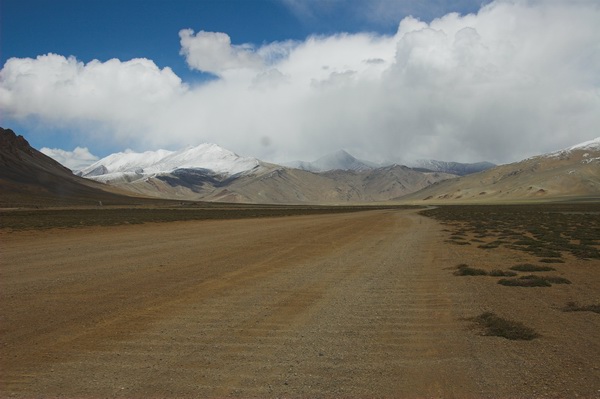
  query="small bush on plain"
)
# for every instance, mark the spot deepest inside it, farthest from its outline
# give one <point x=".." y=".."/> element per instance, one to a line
<point x="464" y="270"/>
<point x="528" y="267"/>
<point x="501" y="273"/>
<point x="575" y="307"/>
<point x="499" y="327"/>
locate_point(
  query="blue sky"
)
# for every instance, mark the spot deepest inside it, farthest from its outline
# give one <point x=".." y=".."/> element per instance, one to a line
<point x="286" y="71"/>
<point x="126" y="29"/>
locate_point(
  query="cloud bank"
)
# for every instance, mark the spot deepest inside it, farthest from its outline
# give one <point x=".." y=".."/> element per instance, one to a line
<point x="75" y="160"/>
<point x="516" y="79"/>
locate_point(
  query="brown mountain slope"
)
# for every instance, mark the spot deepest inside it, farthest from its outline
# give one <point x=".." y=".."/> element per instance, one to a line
<point x="280" y="185"/>
<point x="30" y="178"/>
<point x="569" y="174"/>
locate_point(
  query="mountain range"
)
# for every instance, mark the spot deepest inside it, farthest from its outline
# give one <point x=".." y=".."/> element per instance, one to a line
<point x="342" y="160"/>
<point x="211" y="173"/>
<point x="216" y="174"/>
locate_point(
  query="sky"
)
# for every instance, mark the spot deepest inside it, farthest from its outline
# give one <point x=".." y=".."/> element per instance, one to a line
<point x="284" y="80"/>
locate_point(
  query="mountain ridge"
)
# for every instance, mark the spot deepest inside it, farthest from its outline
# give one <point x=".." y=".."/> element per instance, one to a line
<point x="573" y="172"/>
<point x="456" y="168"/>
<point x="30" y="178"/>
<point x="131" y="165"/>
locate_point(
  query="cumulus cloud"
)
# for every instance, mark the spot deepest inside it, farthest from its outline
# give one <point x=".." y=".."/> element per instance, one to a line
<point x="515" y="79"/>
<point x="75" y="160"/>
<point x="123" y="97"/>
<point x="213" y="52"/>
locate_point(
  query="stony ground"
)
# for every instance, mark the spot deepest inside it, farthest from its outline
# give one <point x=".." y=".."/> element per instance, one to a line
<point x="346" y="305"/>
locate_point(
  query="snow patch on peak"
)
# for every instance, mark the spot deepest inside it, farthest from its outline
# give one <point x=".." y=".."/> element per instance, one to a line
<point x="204" y="156"/>
<point x="593" y="145"/>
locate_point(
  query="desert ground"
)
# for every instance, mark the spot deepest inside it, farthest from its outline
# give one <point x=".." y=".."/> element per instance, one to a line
<point x="355" y="305"/>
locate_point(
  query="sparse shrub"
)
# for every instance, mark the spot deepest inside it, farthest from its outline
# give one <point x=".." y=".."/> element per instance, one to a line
<point x="457" y="237"/>
<point x="528" y="267"/>
<point x="456" y="242"/>
<point x="525" y="281"/>
<point x="574" y="307"/>
<point x="464" y="270"/>
<point x="545" y="231"/>
<point x="544" y="253"/>
<point x="501" y="273"/>
<point x="551" y="260"/>
<point x="557" y="280"/>
<point x="491" y="245"/>
<point x="534" y="281"/>
<point x="499" y="327"/>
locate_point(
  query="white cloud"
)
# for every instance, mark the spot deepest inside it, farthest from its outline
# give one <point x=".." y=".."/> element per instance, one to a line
<point x="513" y="80"/>
<point x="121" y="97"/>
<point x="75" y="160"/>
<point x="213" y="52"/>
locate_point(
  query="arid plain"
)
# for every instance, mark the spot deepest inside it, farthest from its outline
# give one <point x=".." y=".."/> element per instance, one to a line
<point x="357" y="304"/>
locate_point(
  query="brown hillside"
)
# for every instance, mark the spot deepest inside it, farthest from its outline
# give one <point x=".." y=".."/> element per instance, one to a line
<point x="567" y="174"/>
<point x="30" y="178"/>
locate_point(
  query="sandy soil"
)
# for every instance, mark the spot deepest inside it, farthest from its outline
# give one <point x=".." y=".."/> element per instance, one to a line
<point x="347" y="305"/>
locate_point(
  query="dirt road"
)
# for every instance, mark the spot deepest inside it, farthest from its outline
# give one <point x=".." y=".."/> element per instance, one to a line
<point x="347" y="305"/>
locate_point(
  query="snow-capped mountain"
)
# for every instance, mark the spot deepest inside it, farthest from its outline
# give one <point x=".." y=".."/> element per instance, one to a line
<point x="339" y="160"/>
<point x="209" y="172"/>
<point x="131" y="166"/>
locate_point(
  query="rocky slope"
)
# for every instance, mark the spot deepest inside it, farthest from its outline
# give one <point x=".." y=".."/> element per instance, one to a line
<point x="209" y="172"/>
<point x="566" y="174"/>
<point x="278" y="184"/>
<point x="30" y="178"/>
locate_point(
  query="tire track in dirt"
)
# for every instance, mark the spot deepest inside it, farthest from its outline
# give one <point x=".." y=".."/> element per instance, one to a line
<point x="335" y="305"/>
